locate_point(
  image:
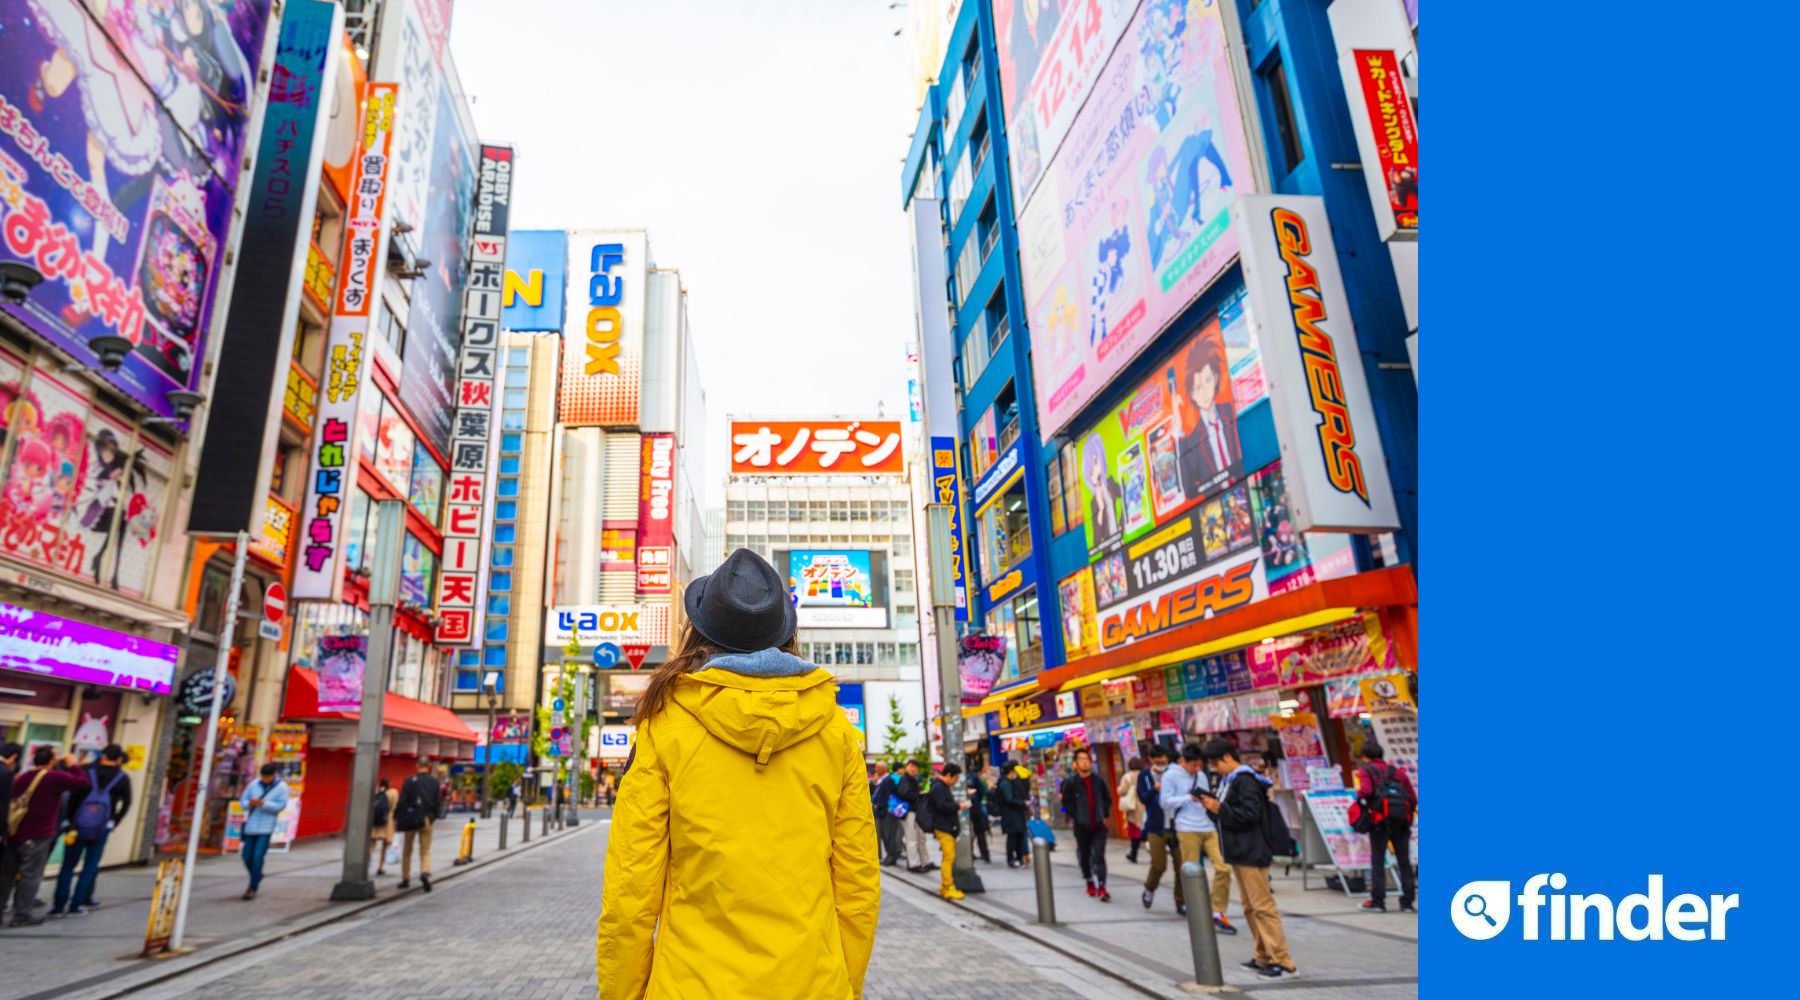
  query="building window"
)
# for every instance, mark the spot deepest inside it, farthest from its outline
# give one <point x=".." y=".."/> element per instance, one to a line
<point x="1000" y="622"/>
<point x="512" y="420"/>
<point x="509" y="466"/>
<point x="506" y="511"/>
<point x="517" y="378"/>
<point x="887" y="653"/>
<point x="502" y="556"/>
<point x="518" y="355"/>
<point x="500" y="583"/>
<point x="1281" y="107"/>
<point x="903" y="581"/>
<point x="495" y="631"/>
<point x="508" y="487"/>
<point x="984" y="448"/>
<point x="909" y="654"/>
<point x="504" y="533"/>
<point x="1026" y="633"/>
<point x="509" y="443"/>
<point x="515" y="399"/>
<point x="499" y="604"/>
<point x="865" y="653"/>
<point x="755" y="511"/>
<point x="493" y="656"/>
<point x="968" y="268"/>
<point x="1003" y="533"/>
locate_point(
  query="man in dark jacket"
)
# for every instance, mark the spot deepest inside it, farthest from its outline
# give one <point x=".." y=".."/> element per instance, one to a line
<point x="1157" y="832"/>
<point x="1386" y="791"/>
<point x="28" y="847"/>
<point x="887" y="828"/>
<point x="1013" y="793"/>
<point x="1087" y="801"/>
<point x="978" y="816"/>
<point x="942" y="803"/>
<point x="421" y="803"/>
<point x="911" y="791"/>
<point x="1241" y="812"/>
<point x="90" y="844"/>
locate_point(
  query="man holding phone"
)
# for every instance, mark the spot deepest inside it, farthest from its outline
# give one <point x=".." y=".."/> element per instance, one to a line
<point x="1242" y="811"/>
<point x="1184" y="790"/>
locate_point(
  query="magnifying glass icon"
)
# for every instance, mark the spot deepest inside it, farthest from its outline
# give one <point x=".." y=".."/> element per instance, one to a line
<point x="1476" y="906"/>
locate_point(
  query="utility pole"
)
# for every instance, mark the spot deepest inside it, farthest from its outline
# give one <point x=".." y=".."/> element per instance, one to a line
<point x="384" y="592"/>
<point x="490" y="682"/>
<point x="943" y="610"/>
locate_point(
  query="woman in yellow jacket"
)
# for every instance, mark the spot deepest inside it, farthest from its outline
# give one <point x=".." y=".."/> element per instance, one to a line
<point x="742" y="859"/>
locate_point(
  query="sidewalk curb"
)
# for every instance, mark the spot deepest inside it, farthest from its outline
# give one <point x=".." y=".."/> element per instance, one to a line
<point x="1036" y="938"/>
<point x="325" y="916"/>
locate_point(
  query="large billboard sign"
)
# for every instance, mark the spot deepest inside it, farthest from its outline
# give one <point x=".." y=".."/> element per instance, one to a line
<point x="656" y="515"/>
<point x="835" y="589"/>
<point x="532" y="298"/>
<point x="1051" y="52"/>
<point x="121" y="139"/>
<point x="1330" y="446"/>
<point x="43" y="645"/>
<point x="946" y="488"/>
<point x="1387" y="136"/>
<point x="816" y="448"/>
<point x="328" y="492"/>
<point x="1129" y="223"/>
<point x="428" y="376"/>
<point x="603" y="342"/>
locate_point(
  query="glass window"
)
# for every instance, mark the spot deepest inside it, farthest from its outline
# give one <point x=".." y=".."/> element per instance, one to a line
<point x="1000" y="622"/>
<point x="887" y="653"/>
<point x="495" y="630"/>
<point x="984" y="443"/>
<point x="909" y="654"/>
<point x="1025" y="619"/>
<point x="505" y="533"/>
<point x="506" y="510"/>
<point x="509" y="466"/>
<point x="468" y="680"/>
<point x="502" y="555"/>
<point x="518" y="378"/>
<point x="499" y="604"/>
<point x="865" y="652"/>
<point x="500" y="583"/>
<point x="509" y="486"/>
<point x="1003" y="533"/>
<point x="515" y="399"/>
<point x="518" y="355"/>
<point x="512" y="420"/>
<point x="510" y="443"/>
<point x="494" y="656"/>
<point x="754" y="511"/>
<point x="356" y="528"/>
<point x="734" y="510"/>
<point x="902" y="546"/>
<point x="1282" y="105"/>
<point x="903" y="580"/>
<point x="425" y="489"/>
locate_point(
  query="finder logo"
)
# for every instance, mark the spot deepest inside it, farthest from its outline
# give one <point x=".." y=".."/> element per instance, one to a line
<point x="1482" y="910"/>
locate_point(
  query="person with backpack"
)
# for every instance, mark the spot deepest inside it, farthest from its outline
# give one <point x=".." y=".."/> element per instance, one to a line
<point x="90" y="819"/>
<point x="741" y="860"/>
<point x="381" y="823"/>
<point x="944" y="813"/>
<point x="979" y="824"/>
<point x="887" y="825"/>
<point x="1088" y="801"/>
<point x="418" y="808"/>
<point x="31" y="820"/>
<point x="262" y="800"/>
<point x="1387" y="798"/>
<point x="911" y="790"/>
<point x="1013" y="793"/>
<point x="1249" y="828"/>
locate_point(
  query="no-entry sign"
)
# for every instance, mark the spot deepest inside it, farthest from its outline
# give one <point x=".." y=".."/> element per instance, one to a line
<point x="275" y="602"/>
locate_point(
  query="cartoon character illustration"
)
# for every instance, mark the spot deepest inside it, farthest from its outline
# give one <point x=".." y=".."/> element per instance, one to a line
<point x="1110" y="258"/>
<point x="1209" y="446"/>
<point x="1104" y="493"/>
<point x="1182" y="191"/>
<point x="91" y="735"/>
<point x="28" y="486"/>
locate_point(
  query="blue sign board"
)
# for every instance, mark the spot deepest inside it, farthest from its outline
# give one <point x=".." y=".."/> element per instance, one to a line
<point x="946" y="487"/>
<point x="607" y="655"/>
<point x="531" y="297"/>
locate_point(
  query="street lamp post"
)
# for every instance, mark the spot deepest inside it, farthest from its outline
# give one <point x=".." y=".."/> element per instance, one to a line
<point x="943" y="601"/>
<point x="490" y="682"/>
<point x="384" y="592"/>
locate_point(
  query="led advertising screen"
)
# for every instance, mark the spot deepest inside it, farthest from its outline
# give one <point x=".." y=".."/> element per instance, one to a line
<point x="1130" y="222"/>
<point x="837" y="588"/>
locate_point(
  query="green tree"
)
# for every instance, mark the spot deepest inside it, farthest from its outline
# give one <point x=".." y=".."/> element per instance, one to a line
<point x="504" y="774"/>
<point x="893" y="741"/>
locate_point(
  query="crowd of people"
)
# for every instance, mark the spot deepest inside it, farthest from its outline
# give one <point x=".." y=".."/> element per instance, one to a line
<point x="77" y="797"/>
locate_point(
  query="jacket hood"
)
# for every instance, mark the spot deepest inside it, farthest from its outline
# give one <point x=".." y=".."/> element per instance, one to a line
<point x="761" y="703"/>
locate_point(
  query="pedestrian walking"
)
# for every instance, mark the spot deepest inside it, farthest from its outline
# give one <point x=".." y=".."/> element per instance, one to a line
<point x="978" y="817"/>
<point x="1245" y="814"/>
<point x="742" y="852"/>
<point x="1088" y="802"/>
<point x="1013" y="795"/>
<point x="381" y="823"/>
<point x="911" y="790"/>
<point x="1131" y="808"/>
<point x="31" y="820"/>
<point x="263" y="800"/>
<point x="887" y="826"/>
<point x="945" y="809"/>
<point x="89" y="820"/>
<point x="416" y="812"/>
<point x="1196" y="834"/>
<point x="1388" y="798"/>
<point x="1158" y="835"/>
<point x="512" y="799"/>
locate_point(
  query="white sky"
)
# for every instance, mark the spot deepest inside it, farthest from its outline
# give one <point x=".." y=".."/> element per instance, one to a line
<point x="759" y="141"/>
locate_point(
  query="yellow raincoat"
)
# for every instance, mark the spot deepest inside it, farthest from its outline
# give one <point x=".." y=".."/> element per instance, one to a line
<point x="742" y="857"/>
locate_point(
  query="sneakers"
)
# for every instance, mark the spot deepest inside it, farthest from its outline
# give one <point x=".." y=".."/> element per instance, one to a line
<point x="1223" y="926"/>
<point x="403" y="884"/>
<point x="425" y="880"/>
<point x="1181" y="909"/>
<point x="1105" y="897"/>
<point x="1149" y="897"/>
<point x="1276" y="972"/>
<point x="1406" y="907"/>
<point x="1253" y="965"/>
<point x="27" y="921"/>
<point x="1090" y="888"/>
<point x="1377" y="906"/>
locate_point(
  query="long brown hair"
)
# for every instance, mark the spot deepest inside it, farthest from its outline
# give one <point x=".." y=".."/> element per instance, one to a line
<point x="695" y="651"/>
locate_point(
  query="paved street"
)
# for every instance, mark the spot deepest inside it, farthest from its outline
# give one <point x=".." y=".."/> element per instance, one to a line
<point x="522" y="925"/>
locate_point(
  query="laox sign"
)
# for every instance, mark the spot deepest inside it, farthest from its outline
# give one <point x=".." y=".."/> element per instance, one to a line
<point x="604" y="324"/>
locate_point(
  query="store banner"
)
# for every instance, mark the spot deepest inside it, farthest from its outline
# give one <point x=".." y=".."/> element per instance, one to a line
<point x="1330" y="446"/>
<point x="817" y="448"/>
<point x="1049" y="61"/>
<point x="1036" y="710"/>
<point x="44" y="645"/>
<point x="1129" y="223"/>
<point x="1191" y="543"/>
<point x="590" y="624"/>
<point x="656" y="515"/>
<point x="1387" y="136"/>
<point x="243" y="415"/>
<point x="329" y="490"/>
<point x="1212" y="590"/>
<point x="1356" y="646"/>
<point x="461" y="577"/>
<point x="119" y="164"/>
<point x="531" y="299"/>
<point x="1076" y="592"/>
<point x="603" y="335"/>
<point x="979" y="660"/>
<point x="342" y="659"/>
<point x="947" y="489"/>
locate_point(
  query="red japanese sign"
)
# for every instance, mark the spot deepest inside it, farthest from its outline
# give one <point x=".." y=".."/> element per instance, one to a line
<point x="656" y="514"/>
<point x="816" y="447"/>
<point x="1396" y="134"/>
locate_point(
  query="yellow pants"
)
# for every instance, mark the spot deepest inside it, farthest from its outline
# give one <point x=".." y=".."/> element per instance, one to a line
<point x="423" y="839"/>
<point x="947" y="844"/>
<point x="1195" y="843"/>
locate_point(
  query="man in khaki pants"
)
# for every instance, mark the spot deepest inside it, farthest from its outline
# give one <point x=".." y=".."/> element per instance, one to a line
<point x="1194" y="831"/>
<point x="421" y="801"/>
<point x="1242" y="811"/>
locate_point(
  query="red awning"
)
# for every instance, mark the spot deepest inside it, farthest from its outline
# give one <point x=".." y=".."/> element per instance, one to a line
<point x="397" y="712"/>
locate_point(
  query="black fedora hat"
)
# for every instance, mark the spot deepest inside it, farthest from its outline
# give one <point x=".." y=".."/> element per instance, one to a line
<point x="742" y="606"/>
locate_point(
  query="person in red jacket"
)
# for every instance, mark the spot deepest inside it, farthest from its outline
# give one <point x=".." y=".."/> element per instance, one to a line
<point x="1386" y="792"/>
<point x="28" y="846"/>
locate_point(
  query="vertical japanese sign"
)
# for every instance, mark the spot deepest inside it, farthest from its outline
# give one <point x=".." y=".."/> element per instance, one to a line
<point x="465" y="517"/>
<point x="329" y="490"/>
<point x="1388" y="131"/>
<point x="946" y="487"/>
<point x="656" y="515"/>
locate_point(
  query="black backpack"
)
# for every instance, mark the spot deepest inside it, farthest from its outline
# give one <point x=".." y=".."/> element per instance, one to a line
<point x="378" y="812"/>
<point x="1387" y="798"/>
<point x="1276" y="832"/>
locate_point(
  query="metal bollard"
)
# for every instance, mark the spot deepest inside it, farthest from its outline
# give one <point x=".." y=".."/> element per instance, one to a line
<point x="503" y="818"/>
<point x="526" y="839"/>
<point x="1201" y="937"/>
<point x="1040" y="869"/>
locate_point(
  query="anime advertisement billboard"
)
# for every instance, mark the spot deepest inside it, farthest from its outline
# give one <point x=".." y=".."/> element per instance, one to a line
<point x="428" y="373"/>
<point x="1130" y="222"/>
<point x="122" y="127"/>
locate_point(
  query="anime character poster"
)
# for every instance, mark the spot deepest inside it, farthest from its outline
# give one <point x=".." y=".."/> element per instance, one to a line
<point x="1130" y="222"/>
<point x="121" y="131"/>
<point x="434" y="324"/>
<point x="341" y="662"/>
<point x="1051" y="52"/>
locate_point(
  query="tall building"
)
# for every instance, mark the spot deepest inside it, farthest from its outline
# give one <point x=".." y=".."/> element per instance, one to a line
<point x="1176" y="353"/>
<point x="845" y="542"/>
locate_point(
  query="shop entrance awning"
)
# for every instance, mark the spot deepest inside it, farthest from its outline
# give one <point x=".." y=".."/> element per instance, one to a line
<point x="397" y="711"/>
<point x="1308" y="607"/>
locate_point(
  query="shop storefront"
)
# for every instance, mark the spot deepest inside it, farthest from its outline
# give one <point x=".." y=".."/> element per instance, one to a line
<point x="1039" y="731"/>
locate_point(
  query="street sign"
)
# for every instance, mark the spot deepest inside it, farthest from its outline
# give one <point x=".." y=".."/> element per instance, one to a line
<point x="162" y="907"/>
<point x="269" y="630"/>
<point x="635" y="653"/>
<point x="275" y="602"/>
<point x="607" y="655"/>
